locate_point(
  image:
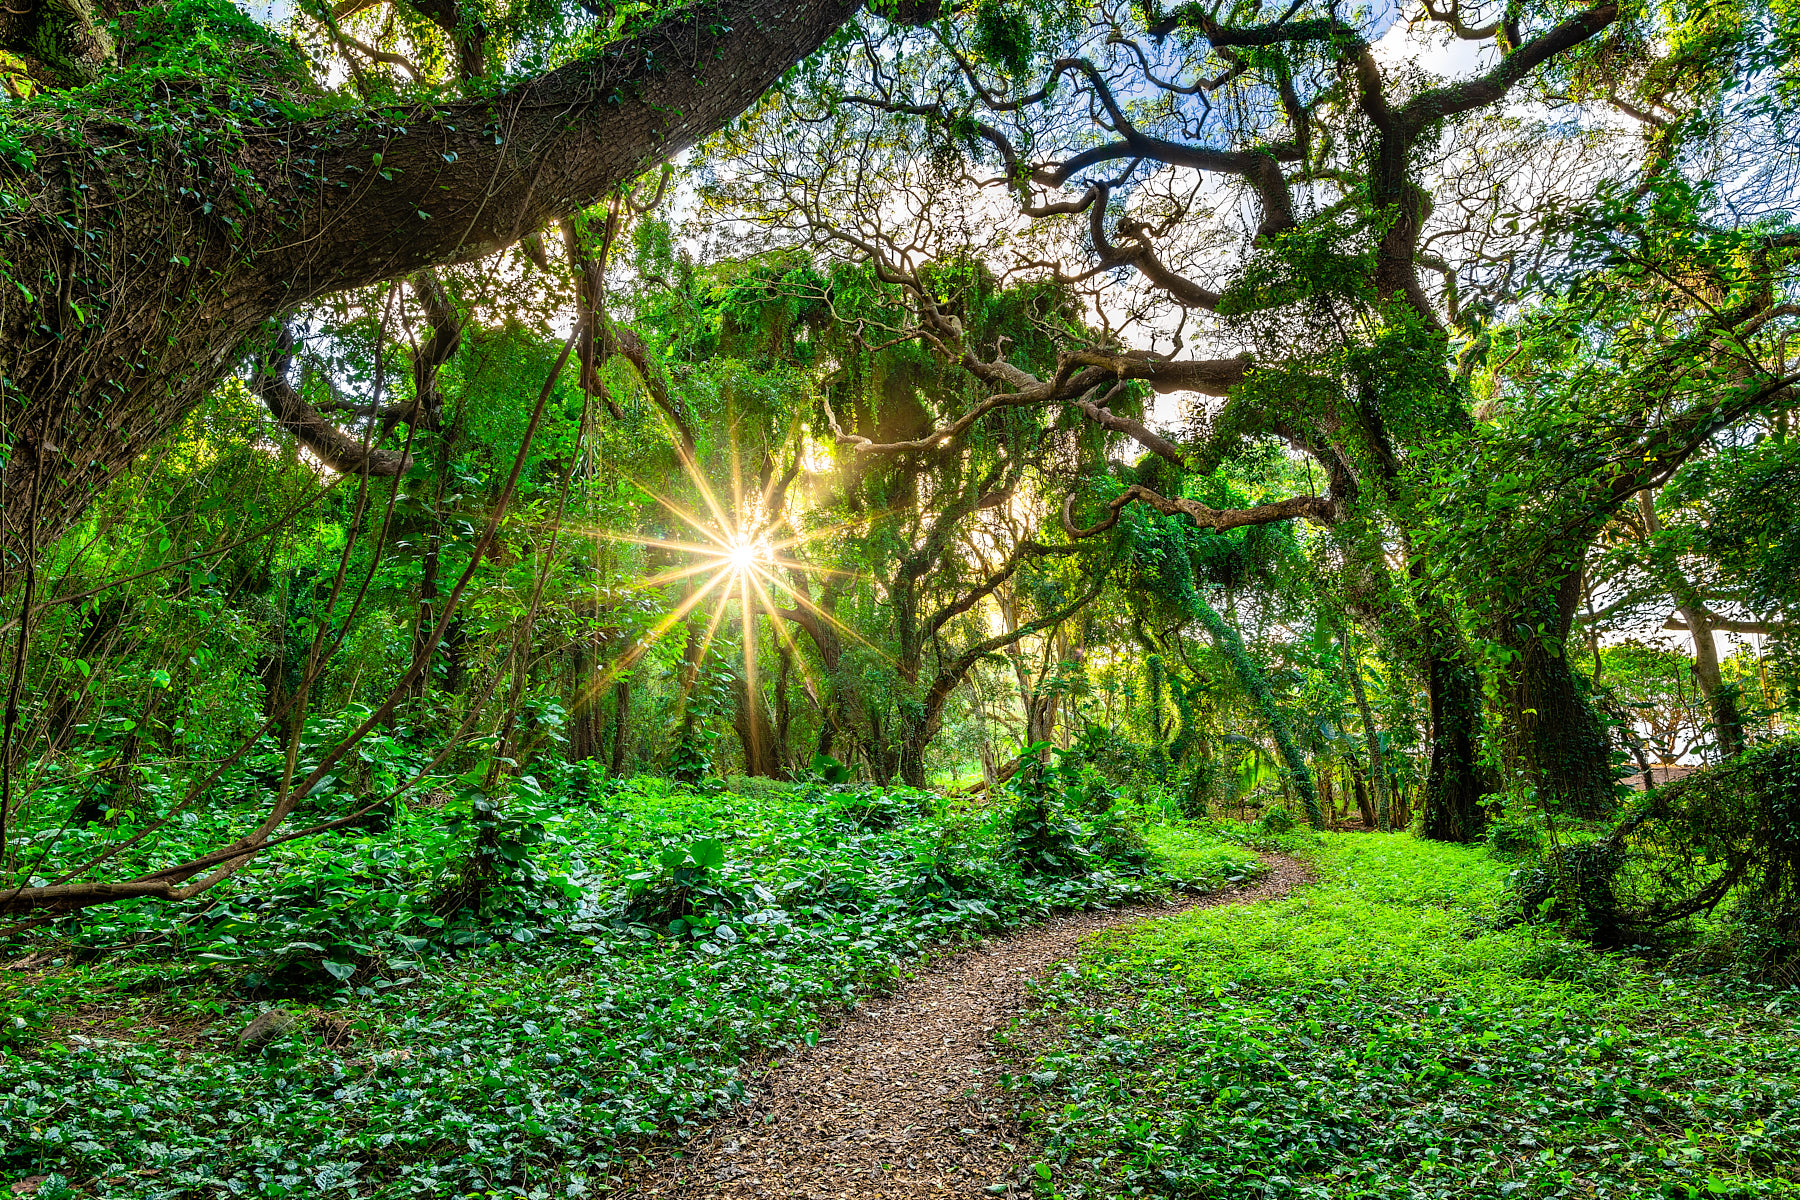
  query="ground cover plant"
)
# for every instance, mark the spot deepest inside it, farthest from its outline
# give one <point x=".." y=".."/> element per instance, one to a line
<point x="626" y="955"/>
<point x="1388" y="1033"/>
<point x="952" y="461"/>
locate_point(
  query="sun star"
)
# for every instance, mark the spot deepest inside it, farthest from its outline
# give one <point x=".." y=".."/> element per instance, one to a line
<point x="738" y="560"/>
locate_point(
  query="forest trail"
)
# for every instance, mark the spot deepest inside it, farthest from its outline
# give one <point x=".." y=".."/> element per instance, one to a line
<point x="902" y="1100"/>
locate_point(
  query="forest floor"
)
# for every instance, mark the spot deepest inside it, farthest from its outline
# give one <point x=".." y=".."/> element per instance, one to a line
<point x="904" y="1099"/>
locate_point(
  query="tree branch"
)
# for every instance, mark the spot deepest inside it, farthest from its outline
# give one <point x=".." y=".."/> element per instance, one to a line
<point x="335" y="448"/>
<point x="1321" y="509"/>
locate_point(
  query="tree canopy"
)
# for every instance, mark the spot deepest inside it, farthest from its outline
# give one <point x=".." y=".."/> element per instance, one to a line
<point x="1383" y="413"/>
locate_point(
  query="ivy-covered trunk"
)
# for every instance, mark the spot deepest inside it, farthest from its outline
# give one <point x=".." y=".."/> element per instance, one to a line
<point x="586" y="721"/>
<point x="919" y="723"/>
<point x="1453" y="783"/>
<point x="912" y="762"/>
<point x="1554" y="736"/>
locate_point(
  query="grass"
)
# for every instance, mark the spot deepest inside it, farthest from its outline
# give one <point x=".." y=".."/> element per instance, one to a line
<point x="1377" y="1035"/>
<point x="606" y="989"/>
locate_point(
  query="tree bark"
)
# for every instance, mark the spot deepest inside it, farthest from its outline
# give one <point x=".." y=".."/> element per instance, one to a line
<point x="1369" y="818"/>
<point x="1555" y="737"/>
<point x="586" y="721"/>
<point x="1453" y="781"/>
<point x="912" y="755"/>
<point x="138" y="275"/>
<point x="621" y="724"/>
<point x="750" y="719"/>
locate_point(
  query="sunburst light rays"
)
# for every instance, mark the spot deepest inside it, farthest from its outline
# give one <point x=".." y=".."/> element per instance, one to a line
<point x="735" y="560"/>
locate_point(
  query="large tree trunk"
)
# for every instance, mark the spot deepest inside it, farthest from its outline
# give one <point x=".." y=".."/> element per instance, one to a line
<point x="1453" y="781"/>
<point x="912" y="757"/>
<point x="1555" y="737"/>
<point x="135" y="277"/>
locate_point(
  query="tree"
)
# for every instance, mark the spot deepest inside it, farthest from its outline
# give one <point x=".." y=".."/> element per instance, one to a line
<point x="182" y="185"/>
<point x="1340" y="232"/>
<point x="1670" y="339"/>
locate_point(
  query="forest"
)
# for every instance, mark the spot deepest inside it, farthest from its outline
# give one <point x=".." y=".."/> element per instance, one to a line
<point x="1046" y="598"/>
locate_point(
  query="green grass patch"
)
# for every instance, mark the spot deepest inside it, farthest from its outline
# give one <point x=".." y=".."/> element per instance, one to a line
<point x="1376" y="1035"/>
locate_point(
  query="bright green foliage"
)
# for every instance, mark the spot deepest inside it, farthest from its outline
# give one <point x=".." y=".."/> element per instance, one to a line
<point x="1375" y="1036"/>
<point x="623" y="964"/>
<point x="1177" y="561"/>
<point x="1747" y="503"/>
<point x="1723" y="841"/>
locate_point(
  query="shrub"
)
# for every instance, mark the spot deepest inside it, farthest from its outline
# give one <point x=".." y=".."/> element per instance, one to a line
<point x="686" y="885"/>
<point x="1045" y="838"/>
<point x="1276" y="820"/>
<point x="1516" y="836"/>
<point x="1118" y="839"/>
<point x="1731" y="832"/>
<point x="950" y="868"/>
<point x="761" y="787"/>
<point x="865" y="806"/>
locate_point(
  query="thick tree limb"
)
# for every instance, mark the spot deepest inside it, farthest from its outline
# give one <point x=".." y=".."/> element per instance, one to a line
<point x="111" y="359"/>
<point x="1438" y="103"/>
<point x="335" y="448"/>
<point x="1322" y="509"/>
<point x="1729" y="625"/>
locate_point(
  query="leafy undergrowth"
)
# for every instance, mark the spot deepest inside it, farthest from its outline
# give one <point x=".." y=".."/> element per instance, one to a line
<point x="1200" y="863"/>
<point x="508" y="1029"/>
<point x="1375" y="1035"/>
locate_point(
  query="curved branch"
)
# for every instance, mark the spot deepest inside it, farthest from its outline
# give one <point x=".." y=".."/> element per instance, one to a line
<point x="335" y="448"/>
<point x="624" y="341"/>
<point x="1728" y="624"/>
<point x="1104" y="417"/>
<point x="467" y="32"/>
<point x="951" y="675"/>
<point x="962" y="604"/>
<point x="1142" y="256"/>
<point x="1438" y="103"/>
<point x="1321" y="509"/>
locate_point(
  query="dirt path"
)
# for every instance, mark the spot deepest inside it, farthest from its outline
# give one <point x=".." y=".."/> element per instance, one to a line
<point x="902" y="1100"/>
